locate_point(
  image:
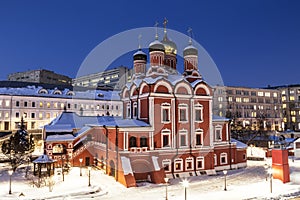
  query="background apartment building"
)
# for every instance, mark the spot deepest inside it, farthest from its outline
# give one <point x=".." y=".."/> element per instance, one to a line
<point x="40" y="76"/>
<point x="39" y="104"/>
<point x="249" y="108"/>
<point x="113" y="78"/>
<point x="290" y="97"/>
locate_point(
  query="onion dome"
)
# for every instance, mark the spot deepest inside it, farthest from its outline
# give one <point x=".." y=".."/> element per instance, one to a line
<point x="170" y="47"/>
<point x="156" y="46"/>
<point x="140" y="55"/>
<point x="190" y="50"/>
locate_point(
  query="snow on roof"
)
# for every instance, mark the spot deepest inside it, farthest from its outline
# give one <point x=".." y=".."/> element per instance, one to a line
<point x="239" y="144"/>
<point x="155" y="163"/>
<point x="43" y="159"/>
<point x="61" y="137"/>
<point x="218" y="118"/>
<point x="65" y="93"/>
<point x="68" y="121"/>
<point x="126" y="165"/>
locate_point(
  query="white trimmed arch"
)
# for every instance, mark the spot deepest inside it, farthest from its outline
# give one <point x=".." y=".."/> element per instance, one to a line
<point x="203" y="86"/>
<point x="165" y="84"/>
<point x="184" y="85"/>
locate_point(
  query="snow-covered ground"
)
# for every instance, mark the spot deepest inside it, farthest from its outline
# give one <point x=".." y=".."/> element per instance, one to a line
<point x="249" y="183"/>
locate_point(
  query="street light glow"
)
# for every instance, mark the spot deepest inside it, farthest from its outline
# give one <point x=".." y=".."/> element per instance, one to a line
<point x="185" y="183"/>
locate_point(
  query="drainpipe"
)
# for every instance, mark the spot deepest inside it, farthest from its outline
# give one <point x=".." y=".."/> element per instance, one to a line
<point x="117" y="152"/>
<point x="229" y="136"/>
<point x="192" y="121"/>
<point x="106" y="151"/>
<point x="137" y="103"/>
<point x="176" y="139"/>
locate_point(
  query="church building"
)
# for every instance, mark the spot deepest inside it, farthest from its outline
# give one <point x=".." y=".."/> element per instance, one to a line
<point x="167" y="128"/>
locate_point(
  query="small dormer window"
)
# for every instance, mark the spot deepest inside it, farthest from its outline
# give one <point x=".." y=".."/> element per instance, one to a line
<point x="43" y="91"/>
<point x="57" y="92"/>
<point x="100" y="95"/>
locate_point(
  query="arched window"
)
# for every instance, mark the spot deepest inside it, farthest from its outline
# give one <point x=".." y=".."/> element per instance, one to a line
<point x="132" y="141"/>
<point x="143" y="142"/>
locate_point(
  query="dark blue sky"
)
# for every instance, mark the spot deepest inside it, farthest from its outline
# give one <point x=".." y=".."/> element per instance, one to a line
<point x="254" y="43"/>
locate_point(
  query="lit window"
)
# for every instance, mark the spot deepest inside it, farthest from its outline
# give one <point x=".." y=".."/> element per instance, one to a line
<point x="41" y="104"/>
<point x="7" y="103"/>
<point x="293" y="119"/>
<point x="274" y="94"/>
<point x="238" y="99"/>
<point x="246" y="100"/>
<point x="220" y="99"/>
<point x="178" y="164"/>
<point x="283" y="98"/>
<point x="198" y="113"/>
<point x="260" y="94"/>
<point x="267" y="94"/>
<point x="292" y="98"/>
<point x="40" y="115"/>
<point x="6" y="115"/>
<point x="284" y="105"/>
<point x="48" y="105"/>
<point x="183" y="113"/>
<point x="47" y="115"/>
<point x="200" y="162"/>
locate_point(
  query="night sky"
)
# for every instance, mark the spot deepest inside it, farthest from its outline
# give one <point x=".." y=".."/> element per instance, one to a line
<point x="254" y="43"/>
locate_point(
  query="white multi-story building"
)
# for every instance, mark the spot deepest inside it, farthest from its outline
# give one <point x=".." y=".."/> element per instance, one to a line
<point x="39" y="104"/>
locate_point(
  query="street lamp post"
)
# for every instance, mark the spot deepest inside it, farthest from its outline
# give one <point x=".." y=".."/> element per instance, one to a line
<point x="270" y="172"/>
<point x="80" y="160"/>
<point x="89" y="168"/>
<point x="185" y="184"/>
<point x="10" y="172"/>
<point x="166" y="181"/>
<point x="225" y="173"/>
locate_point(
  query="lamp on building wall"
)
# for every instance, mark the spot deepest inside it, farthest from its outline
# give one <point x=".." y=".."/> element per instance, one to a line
<point x="225" y="173"/>
<point x="10" y="172"/>
<point x="80" y="160"/>
<point x="166" y="181"/>
<point x="89" y="169"/>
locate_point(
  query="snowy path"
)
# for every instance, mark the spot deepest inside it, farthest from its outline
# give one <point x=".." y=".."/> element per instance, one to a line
<point x="246" y="183"/>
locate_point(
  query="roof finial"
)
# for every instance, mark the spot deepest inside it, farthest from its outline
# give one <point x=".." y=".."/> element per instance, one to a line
<point x="190" y="35"/>
<point x="156" y="27"/>
<point x="165" y="25"/>
<point x="139" y="38"/>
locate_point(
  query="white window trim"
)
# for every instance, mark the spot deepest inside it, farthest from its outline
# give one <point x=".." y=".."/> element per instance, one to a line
<point x="165" y="163"/>
<point x="196" y="108"/>
<point x="199" y="132"/>
<point x="183" y="132"/>
<point x="165" y="106"/>
<point x="189" y="159"/>
<point x="200" y="158"/>
<point x="128" y="107"/>
<point x="135" y="107"/>
<point x="168" y="133"/>
<point x="218" y="127"/>
<point x="178" y="160"/>
<point x="225" y="156"/>
<point x="215" y="160"/>
<point x="183" y="107"/>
